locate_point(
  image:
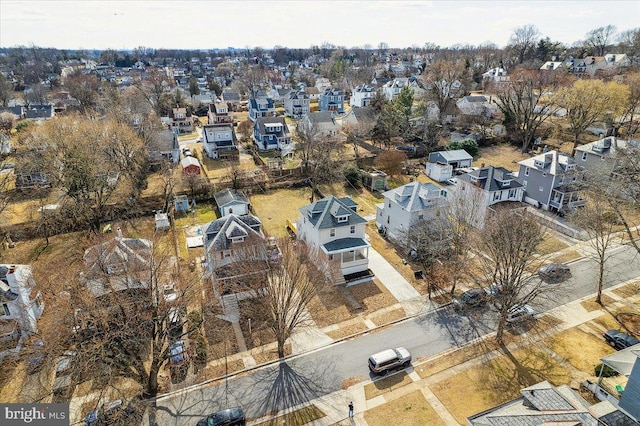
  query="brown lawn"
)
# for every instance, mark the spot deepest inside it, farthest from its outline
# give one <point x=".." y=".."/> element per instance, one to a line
<point x="388" y="317"/>
<point x="275" y="207"/>
<point x="366" y="199"/>
<point x="566" y="256"/>
<point x="330" y="306"/>
<point x="501" y="155"/>
<point x="591" y="348"/>
<point x="497" y="381"/>
<point x="411" y="409"/>
<point x="590" y="305"/>
<point x="372" y="296"/>
<point x="220" y="369"/>
<point x="349" y="329"/>
<point x="302" y="416"/>
<point x="628" y="290"/>
<point x="549" y="245"/>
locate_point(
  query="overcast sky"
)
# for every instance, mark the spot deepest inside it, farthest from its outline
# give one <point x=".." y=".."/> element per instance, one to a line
<point x="175" y="24"/>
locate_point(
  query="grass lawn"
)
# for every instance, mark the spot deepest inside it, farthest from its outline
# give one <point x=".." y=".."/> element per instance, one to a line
<point x="275" y="207"/>
<point x="366" y="200"/>
<point x="410" y="409"/>
<point x="497" y="381"/>
<point x="348" y="330"/>
<point x="550" y="245"/>
<point x="302" y="416"/>
<point x="591" y="348"/>
<point x="502" y="155"/>
<point x="566" y="256"/>
<point x="388" y="317"/>
<point x="590" y="305"/>
<point x="457" y="357"/>
<point x="628" y="290"/>
<point x="388" y="384"/>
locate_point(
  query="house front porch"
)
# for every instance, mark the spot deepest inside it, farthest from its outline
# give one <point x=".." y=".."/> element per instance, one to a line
<point x="567" y="198"/>
<point x="352" y="254"/>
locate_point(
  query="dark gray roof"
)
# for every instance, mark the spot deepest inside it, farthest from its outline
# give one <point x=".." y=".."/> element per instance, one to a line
<point x="332" y="91"/>
<point x="227" y="196"/>
<point x="298" y="94"/>
<point x="492" y="178"/>
<point x="218" y="233"/>
<point x="416" y="196"/>
<point x="344" y="244"/>
<point x="260" y="122"/>
<point x="164" y="141"/>
<point x="321" y="117"/>
<point x="364" y="114"/>
<point x="39" y="111"/>
<point x="323" y="213"/>
<point x="475" y="98"/>
<point x="229" y="96"/>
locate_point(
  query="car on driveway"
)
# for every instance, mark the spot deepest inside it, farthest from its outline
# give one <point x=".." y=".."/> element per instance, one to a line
<point x="554" y="273"/>
<point x="619" y="340"/>
<point x="473" y="298"/>
<point x="229" y="417"/>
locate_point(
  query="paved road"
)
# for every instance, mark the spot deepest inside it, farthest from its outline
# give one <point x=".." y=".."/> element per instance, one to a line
<point x="321" y="372"/>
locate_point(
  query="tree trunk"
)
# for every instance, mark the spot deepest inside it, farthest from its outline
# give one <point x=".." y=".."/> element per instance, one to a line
<point x="600" y="282"/>
<point x="152" y="382"/>
<point x="500" y="330"/>
<point x="281" y="347"/>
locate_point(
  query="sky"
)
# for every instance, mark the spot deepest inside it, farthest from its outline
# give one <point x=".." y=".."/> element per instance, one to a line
<point x="178" y="24"/>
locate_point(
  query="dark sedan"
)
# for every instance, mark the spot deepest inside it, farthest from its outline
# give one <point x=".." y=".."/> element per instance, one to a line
<point x="229" y="417"/>
<point x="619" y="340"/>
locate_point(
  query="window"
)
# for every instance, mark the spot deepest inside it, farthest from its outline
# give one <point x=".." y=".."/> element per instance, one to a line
<point x="512" y="193"/>
<point x="544" y="174"/>
<point x="353" y="229"/>
<point x="330" y="257"/>
<point x="497" y="195"/>
<point x="226" y="253"/>
<point x="584" y="156"/>
<point x="5" y="310"/>
<point x="526" y="171"/>
<point x="389" y="204"/>
<point x="333" y="232"/>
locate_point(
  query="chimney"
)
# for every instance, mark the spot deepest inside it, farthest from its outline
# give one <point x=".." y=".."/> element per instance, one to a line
<point x="119" y="233"/>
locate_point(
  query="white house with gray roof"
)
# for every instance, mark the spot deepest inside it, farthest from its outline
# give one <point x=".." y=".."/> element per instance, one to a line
<point x="406" y="205"/>
<point x="488" y="186"/>
<point x="477" y="105"/>
<point x="545" y="404"/>
<point x="442" y="164"/>
<point x="333" y="227"/>
<point x="232" y="201"/>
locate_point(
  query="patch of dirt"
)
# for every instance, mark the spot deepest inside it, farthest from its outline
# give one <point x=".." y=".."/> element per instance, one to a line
<point x="347" y="383"/>
<point x="628" y="290"/>
<point x="347" y="330"/>
<point x="591" y="305"/>
<point x="388" y="317"/>
<point x="630" y="321"/>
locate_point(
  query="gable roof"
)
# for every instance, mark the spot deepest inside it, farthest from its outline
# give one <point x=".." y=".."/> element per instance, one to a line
<point x="323" y="213"/>
<point x="164" y="141"/>
<point x="261" y="122"/>
<point x="455" y="155"/>
<point x="491" y="178"/>
<point x="189" y="161"/>
<point x="415" y="196"/>
<point x="132" y="253"/>
<point x="362" y="114"/>
<point x="228" y="196"/>
<point x="322" y="117"/>
<point x="553" y="162"/>
<point x="218" y="233"/>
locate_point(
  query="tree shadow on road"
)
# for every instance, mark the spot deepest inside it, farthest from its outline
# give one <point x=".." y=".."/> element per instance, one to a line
<point x="461" y="326"/>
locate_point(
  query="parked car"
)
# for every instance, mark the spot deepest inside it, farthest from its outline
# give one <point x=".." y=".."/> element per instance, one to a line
<point x="229" y="417"/>
<point x="389" y="359"/>
<point x="520" y="313"/>
<point x="475" y="297"/>
<point x="105" y="414"/>
<point x="619" y="340"/>
<point x="453" y="181"/>
<point x="554" y="273"/>
<point x="493" y="290"/>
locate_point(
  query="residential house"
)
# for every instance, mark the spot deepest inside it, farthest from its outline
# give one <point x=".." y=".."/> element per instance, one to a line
<point x="313" y="93"/>
<point x="600" y="156"/>
<point x="164" y="146"/>
<point x="39" y="112"/>
<point x="393" y="88"/>
<point x="497" y="74"/>
<point x="609" y="63"/>
<point x="362" y="95"/>
<point x="322" y="123"/>
<point x="118" y="264"/>
<point x="272" y="133"/>
<point x="442" y="164"/>
<point x="333" y="227"/>
<point x="190" y="166"/>
<point x="365" y="116"/>
<point x="260" y="107"/>
<point x="322" y="84"/>
<point x="553" y="181"/>
<point x="487" y="186"/>
<point x="332" y="100"/>
<point x="296" y="104"/>
<point x="181" y="121"/>
<point x="476" y="105"/>
<point x="22" y="303"/>
<point x="379" y="82"/>
<point x="236" y="251"/>
<point x="231" y="201"/>
<point x="622" y="390"/>
<point x="231" y="98"/>
<point x="18" y="112"/>
<point x="406" y="205"/>
<point x="551" y="66"/>
<point x="545" y="404"/>
<point x="219" y="136"/>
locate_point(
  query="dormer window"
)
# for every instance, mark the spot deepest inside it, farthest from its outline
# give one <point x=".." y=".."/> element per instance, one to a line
<point x="237" y="239"/>
<point x="342" y="219"/>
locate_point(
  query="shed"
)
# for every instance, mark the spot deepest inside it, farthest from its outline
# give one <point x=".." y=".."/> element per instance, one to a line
<point x="181" y="203"/>
<point x="190" y="166"/>
<point x="162" y="222"/>
<point x="374" y="180"/>
<point x="232" y="201"/>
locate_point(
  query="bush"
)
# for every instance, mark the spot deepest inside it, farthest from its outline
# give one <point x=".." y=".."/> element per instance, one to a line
<point x="606" y="371"/>
<point x="352" y="174"/>
<point x="468" y="145"/>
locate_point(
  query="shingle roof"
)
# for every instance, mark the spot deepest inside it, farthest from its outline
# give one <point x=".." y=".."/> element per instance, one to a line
<point x="227" y="196"/>
<point x="325" y="212"/>
<point x="556" y="162"/>
<point x="164" y="141"/>
<point x="414" y="196"/>
<point x="490" y="178"/>
<point x="475" y="98"/>
<point x="344" y="244"/>
<point x="217" y="234"/>
<point x="260" y="122"/>
<point x="321" y="117"/>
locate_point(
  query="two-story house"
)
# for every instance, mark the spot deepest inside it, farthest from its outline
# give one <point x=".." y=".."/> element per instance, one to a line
<point x="362" y="95"/>
<point x="333" y="227"/>
<point x="164" y="146"/>
<point x="553" y="181"/>
<point x="219" y="137"/>
<point x="485" y="187"/>
<point x="22" y="303"/>
<point x="322" y="124"/>
<point x="260" y="107"/>
<point x="332" y="100"/>
<point x="601" y="156"/>
<point x="236" y="251"/>
<point x="393" y="88"/>
<point x="296" y="104"/>
<point x="476" y="105"/>
<point x="272" y="133"/>
<point x="181" y="121"/>
<point x="406" y="205"/>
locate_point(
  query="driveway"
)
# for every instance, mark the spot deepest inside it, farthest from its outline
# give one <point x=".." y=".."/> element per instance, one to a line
<point x="390" y="278"/>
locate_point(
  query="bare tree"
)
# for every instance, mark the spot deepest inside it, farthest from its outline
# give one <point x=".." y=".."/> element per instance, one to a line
<point x="391" y="161"/>
<point x="508" y="242"/>
<point x="523" y="41"/>
<point x="629" y="42"/>
<point x="84" y="88"/>
<point x="445" y="80"/>
<point x="600" y="38"/>
<point x="598" y="220"/>
<point x="630" y="122"/>
<point x="6" y="90"/>
<point x="37" y="95"/>
<point x="7" y="121"/>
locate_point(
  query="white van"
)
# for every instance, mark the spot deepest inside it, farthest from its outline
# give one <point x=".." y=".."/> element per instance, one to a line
<point x="389" y="359"/>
